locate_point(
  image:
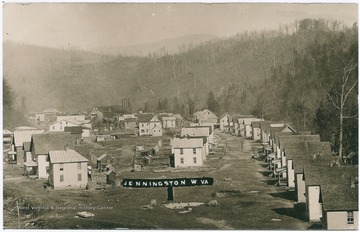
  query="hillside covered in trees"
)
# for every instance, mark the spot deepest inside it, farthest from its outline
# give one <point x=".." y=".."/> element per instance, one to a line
<point x="304" y="73"/>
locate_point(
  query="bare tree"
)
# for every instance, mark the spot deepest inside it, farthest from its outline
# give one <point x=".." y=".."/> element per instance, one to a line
<point x="339" y="95"/>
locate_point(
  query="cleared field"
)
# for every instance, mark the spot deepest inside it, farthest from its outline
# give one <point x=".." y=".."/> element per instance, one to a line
<point x="247" y="197"/>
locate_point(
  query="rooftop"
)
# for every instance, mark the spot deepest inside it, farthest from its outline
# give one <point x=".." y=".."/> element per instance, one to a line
<point x="286" y="139"/>
<point x="196" y="131"/>
<point x="43" y="143"/>
<point x="307" y="149"/>
<point x="187" y="142"/>
<point x="21" y="136"/>
<point x="340" y="197"/>
<point x="318" y="175"/>
<point x="143" y="118"/>
<point x="66" y="156"/>
<point x="300" y="162"/>
<point x="101" y="157"/>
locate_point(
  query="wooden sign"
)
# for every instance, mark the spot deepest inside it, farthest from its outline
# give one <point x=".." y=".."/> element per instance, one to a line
<point x="156" y="183"/>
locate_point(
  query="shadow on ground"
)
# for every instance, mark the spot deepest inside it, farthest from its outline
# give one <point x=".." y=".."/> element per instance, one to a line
<point x="316" y="226"/>
<point x="265" y="173"/>
<point x="270" y="181"/>
<point x="285" y="195"/>
<point x="298" y="212"/>
<point x="265" y="165"/>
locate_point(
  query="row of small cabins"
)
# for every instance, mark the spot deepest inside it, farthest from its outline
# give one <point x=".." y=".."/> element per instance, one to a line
<point x="308" y="168"/>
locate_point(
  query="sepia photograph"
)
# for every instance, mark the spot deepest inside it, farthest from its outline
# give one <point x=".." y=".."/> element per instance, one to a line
<point x="180" y="115"/>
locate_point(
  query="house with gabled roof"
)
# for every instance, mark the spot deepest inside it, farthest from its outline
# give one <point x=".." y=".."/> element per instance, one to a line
<point x="340" y="206"/>
<point x="68" y="169"/>
<point x="149" y="124"/>
<point x="244" y="122"/>
<point x="205" y="117"/>
<point x="299" y="163"/>
<point x="283" y="140"/>
<point x="224" y="122"/>
<point x="42" y="144"/>
<point x="59" y="126"/>
<point x="256" y="130"/>
<point x="102" y="162"/>
<point x="21" y="136"/>
<point x="188" y="152"/>
<point x="130" y="123"/>
<point x="320" y="152"/>
<point x="316" y="177"/>
<point x="167" y="121"/>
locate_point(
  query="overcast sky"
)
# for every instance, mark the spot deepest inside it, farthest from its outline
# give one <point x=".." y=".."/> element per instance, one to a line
<point x="89" y="25"/>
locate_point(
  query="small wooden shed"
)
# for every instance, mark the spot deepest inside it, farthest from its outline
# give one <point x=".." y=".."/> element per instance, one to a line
<point x="110" y="176"/>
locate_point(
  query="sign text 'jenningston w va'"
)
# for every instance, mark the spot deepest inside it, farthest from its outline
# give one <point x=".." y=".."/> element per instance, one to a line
<point x="178" y="182"/>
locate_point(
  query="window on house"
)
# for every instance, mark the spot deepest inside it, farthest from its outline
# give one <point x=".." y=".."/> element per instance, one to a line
<point x="181" y="151"/>
<point x="61" y="167"/>
<point x="350" y="217"/>
<point x="194" y="151"/>
<point x="53" y="127"/>
<point x="181" y="160"/>
<point x="61" y="178"/>
<point x="60" y="127"/>
<point x="195" y="160"/>
<point x="79" y="177"/>
<point x="79" y="166"/>
<point x="47" y="170"/>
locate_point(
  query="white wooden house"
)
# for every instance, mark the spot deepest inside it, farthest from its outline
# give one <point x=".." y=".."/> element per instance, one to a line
<point x="21" y="136"/>
<point x="149" y="124"/>
<point x="68" y="169"/>
<point x="205" y="116"/>
<point x="42" y="144"/>
<point x="316" y="177"/>
<point x="340" y="206"/>
<point x="168" y="122"/>
<point x="224" y="122"/>
<point x="188" y="152"/>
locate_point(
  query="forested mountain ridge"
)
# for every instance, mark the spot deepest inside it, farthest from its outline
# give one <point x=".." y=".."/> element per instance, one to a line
<point x="291" y="74"/>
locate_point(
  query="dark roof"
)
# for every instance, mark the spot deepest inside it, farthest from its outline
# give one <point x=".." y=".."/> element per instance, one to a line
<point x="300" y="162"/>
<point x="284" y="139"/>
<point x="318" y="175"/>
<point x="73" y="129"/>
<point x="223" y="115"/>
<point x="142" y="118"/>
<point x="43" y="143"/>
<point x="235" y="117"/>
<point x="256" y="124"/>
<point x="27" y="146"/>
<point x="130" y="119"/>
<point x="307" y="149"/>
<point x="340" y="197"/>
